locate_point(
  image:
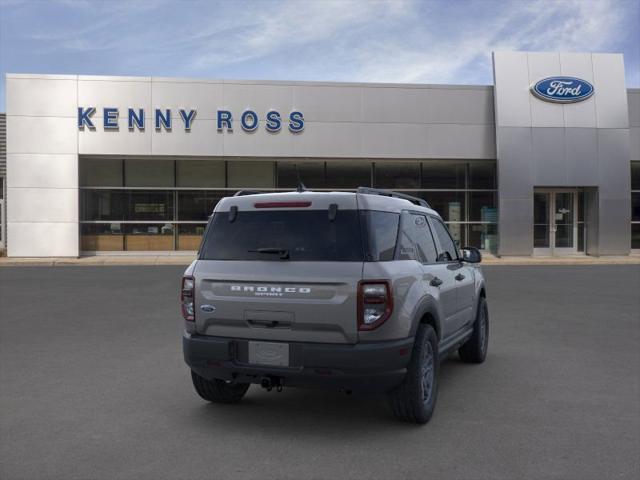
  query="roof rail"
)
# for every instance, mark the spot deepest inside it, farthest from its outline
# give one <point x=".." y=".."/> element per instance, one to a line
<point x="391" y="193"/>
<point x="242" y="193"/>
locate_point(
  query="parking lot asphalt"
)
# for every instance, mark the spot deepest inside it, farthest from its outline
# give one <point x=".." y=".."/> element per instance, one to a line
<point x="93" y="386"/>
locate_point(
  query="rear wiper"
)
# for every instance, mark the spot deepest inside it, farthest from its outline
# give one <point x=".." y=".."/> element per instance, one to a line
<point x="283" y="252"/>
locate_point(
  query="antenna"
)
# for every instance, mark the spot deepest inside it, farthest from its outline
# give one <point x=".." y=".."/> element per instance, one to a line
<point x="300" y="188"/>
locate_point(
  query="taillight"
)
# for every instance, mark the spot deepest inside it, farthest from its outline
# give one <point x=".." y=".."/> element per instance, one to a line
<point x="186" y="298"/>
<point x="375" y="303"/>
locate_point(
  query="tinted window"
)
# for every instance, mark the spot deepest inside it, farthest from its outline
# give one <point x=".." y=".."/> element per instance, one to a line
<point x="443" y="175"/>
<point x="397" y="175"/>
<point x="348" y="174"/>
<point x="416" y="241"/>
<point x="304" y="235"/>
<point x="311" y="174"/>
<point x="482" y="175"/>
<point x="447" y="250"/>
<point x="635" y="175"/>
<point x="382" y="236"/>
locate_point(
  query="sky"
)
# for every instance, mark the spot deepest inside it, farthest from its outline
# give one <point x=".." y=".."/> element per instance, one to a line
<point x="403" y="41"/>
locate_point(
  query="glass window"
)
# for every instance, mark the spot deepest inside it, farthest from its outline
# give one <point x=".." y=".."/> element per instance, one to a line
<point x="450" y="205"/>
<point x="190" y="236"/>
<point x="635" y="235"/>
<point x="382" y="228"/>
<point x="635" y="175"/>
<point x="352" y="174"/>
<point x="103" y="205"/>
<point x="285" y="235"/>
<point x="635" y="207"/>
<point x="101" y="237"/>
<point x="397" y="175"/>
<point x="100" y="172"/>
<point x="447" y="250"/>
<point x="148" y="237"/>
<point x="200" y="173"/>
<point x="483" y="236"/>
<point x="482" y="207"/>
<point x="198" y="205"/>
<point x="458" y="233"/>
<point x="249" y="175"/>
<point x="150" y="205"/>
<point x="311" y="174"/>
<point x="416" y="242"/>
<point x="149" y="173"/>
<point x="482" y="175"/>
<point x="440" y="175"/>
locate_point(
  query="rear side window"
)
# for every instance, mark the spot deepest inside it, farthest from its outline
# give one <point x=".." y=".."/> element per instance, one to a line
<point x="284" y="235"/>
<point x="447" y="251"/>
<point x="416" y="242"/>
<point x="381" y="236"/>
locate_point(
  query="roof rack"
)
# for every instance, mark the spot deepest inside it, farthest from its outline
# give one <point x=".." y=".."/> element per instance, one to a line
<point x="242" y="193"/>
<point x="391" y="193"/>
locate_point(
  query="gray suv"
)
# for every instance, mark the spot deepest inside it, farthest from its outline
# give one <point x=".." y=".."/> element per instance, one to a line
<point x="361" y="291"/>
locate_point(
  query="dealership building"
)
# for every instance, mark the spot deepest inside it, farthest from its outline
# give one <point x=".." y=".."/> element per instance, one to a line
<point x="546" y="161"/>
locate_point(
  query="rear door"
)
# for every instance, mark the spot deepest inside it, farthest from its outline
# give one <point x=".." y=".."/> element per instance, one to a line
<point x="417" y="242"/>
<point x="286" y="274"/>
<point x="462" y="275"/>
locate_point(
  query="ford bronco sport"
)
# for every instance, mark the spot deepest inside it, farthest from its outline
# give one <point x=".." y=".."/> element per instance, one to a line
<point x="361" y="291"/>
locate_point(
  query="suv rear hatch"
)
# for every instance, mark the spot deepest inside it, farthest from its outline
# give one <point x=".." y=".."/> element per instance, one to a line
<point x="281" y="267"/>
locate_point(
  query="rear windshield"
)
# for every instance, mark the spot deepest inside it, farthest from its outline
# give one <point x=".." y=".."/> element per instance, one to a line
<point x="284" y="235"/>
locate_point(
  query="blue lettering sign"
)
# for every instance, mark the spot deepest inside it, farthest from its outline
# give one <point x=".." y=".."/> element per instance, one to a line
<point x="84" y="117"/>
<point x="136" y="120"/>
<point x="249" y="121"/>
<point x="562" y="89"/>
<point x="163" y="120"/>
<point x="225" y="119"/>
<point x="273" y="124"/>
<point x="110" y="118"/>
<point x="296" y="122"/>
<point x="187" y="118"/>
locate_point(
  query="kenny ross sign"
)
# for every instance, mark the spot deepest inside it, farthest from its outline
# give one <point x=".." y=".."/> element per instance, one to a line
<point x="562" y="89"/>
<point x="162" y="119"/>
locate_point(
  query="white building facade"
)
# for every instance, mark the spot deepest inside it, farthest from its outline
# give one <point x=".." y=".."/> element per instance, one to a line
<point x="136" y="164"/>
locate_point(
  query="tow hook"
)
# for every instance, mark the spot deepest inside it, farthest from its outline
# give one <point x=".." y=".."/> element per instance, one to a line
<point x="269" y="383"/>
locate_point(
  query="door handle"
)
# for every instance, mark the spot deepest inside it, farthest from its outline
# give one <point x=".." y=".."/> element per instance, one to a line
<point x="435" y="282"/>
<point x="459" y="277"/>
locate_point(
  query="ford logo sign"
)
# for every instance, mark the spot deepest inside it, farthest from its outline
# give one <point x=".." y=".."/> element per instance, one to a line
<point x="562" y="89"/>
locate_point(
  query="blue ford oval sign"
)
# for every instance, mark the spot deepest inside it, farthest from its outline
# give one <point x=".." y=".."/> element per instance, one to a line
<point x="562" y="89"/>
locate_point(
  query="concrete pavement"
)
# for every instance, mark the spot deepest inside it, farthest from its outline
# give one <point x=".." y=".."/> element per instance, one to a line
<point x="93" y="386"/>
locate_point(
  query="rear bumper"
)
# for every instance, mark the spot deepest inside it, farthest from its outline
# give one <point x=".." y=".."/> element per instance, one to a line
<point x="371" y="367"/>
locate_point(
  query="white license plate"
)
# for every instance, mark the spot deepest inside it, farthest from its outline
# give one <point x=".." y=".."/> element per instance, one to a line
<point x="269" y="353"/>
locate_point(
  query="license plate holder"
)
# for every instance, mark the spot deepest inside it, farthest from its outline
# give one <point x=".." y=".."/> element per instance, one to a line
<point x="269" y="353"/>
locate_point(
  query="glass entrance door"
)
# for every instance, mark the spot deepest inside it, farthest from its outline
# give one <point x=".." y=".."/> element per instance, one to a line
<point x="555" y="222"/>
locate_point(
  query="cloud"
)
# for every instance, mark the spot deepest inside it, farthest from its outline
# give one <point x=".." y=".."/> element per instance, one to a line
<point x="257" y="33"/>
<point x="437" y="41"/>
<point x="571" y="25"/>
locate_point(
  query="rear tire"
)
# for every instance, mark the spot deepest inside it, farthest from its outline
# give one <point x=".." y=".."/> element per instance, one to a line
<point x="474" y="350"/>
<point x="414" y="400"/>
<point x="218" y="391"/>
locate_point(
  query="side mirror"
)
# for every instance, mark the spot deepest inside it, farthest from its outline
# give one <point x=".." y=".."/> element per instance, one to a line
<point x="471" y="255"/>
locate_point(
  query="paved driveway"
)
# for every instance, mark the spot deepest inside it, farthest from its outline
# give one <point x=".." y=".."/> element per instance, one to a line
<point x="92" y="385"/>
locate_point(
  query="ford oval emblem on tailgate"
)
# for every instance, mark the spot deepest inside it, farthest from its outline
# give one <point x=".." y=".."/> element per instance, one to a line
<point x="208" y="308"/>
